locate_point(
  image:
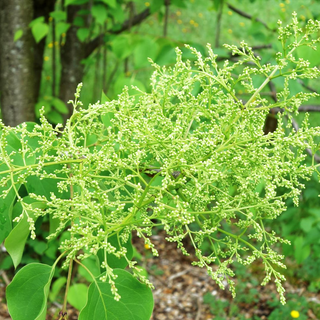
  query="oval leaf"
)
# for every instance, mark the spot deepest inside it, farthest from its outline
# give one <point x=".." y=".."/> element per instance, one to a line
<point x="82" y="34"/>
<point x="27" y="293"/>
<point x="77" y="295"/>
<point x="39" y="31"/>
<point x="18" y="35"/>
<point x="60" y="105"/>
<point x="136" y="301"/>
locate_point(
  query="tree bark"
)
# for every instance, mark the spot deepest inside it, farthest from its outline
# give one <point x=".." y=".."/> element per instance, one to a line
<point x="17" y="62"/>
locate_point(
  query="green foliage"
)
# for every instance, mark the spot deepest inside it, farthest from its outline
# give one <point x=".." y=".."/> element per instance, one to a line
<point x="39" y="28"/>
<point x="27" y="293"/>
<point x="189" y="156"/>
<point x="136" y="299"/>
<point x="18" y="34"/>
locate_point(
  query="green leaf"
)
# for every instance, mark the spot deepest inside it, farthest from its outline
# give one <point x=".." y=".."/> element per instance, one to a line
<point x="147" y="48"/>
<point x="43" y="103"/>
<point x="59" y="105"/>
<point x="111" y="3"/>
<point x="46" y="186"/>
<point x="6" y="204"/>
<point x="117" y="13"/>
<point x="39" y="31"/>
<point x="62" y="27"/>
<point x="122" y="46"/>
<point x="309" y="54"/>
<point x="56" y="287"/>
<point x="121" y="82"/>
<point x="136" y="301"/>
<point x="179" y="3"/>
<point x="78" y="22"/>
<point x="75" y="2"/>
<point x="100" y="13"/>
<point x="166" y="55"/>
<point x="18" y="34"/>
<point x="27" y="293"/>
<point x="93" y="264"/>
<point x="113" y="261"/>
<point x="156" y="5"/>
<point x="106" y="119"/>
<point x="104" y="98"/>
<point x="77" y="295"/>
<point x="83" y="33"/>
<point x="35" y="21"/>
<point x="17" y="238"/>
<point x="59" y="15"/>
<point x="301" y="251"/>
<point x="306" y="224"/>
<point x="39" y="246"/>
<point x="217" y="4"/>
<point x="54" y="117"/>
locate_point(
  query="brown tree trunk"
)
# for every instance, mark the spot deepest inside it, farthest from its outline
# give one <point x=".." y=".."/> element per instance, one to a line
<point x="71" y="55"/>
<point x="17" y="62"/>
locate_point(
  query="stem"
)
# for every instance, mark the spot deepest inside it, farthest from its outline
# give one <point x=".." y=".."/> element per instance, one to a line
<point x="218" y="25"/>
<point x="64" y="308"/>
<point x="265" y="82"/>
<point x="166" y="17"/>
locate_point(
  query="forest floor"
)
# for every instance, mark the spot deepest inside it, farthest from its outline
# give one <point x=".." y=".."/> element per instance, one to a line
<point x="181" y="287"/>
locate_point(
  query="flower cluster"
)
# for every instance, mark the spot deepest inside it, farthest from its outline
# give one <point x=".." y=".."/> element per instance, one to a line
<point x="189" y="156"/>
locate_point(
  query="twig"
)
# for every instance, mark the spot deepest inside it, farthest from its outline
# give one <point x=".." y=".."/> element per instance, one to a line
<point x="306" y="86"/>
<point x="104" y="62"/>
<point x="138" y="18"/>
<point x="218" y="25"/>
<point x="166" y="17"/>
<point x="254" y="48"/>
<point x="111" y="77"/>
<point x="199" y="304"/>
<point x="304" y="108"/>
<point x="176" y="275"/>
<point x="5" y="277"/>
<point x="130" y="6"/>
<point x="248" y="16"/>
<point x="296" y="127"/>
<point x="53" y="58"/>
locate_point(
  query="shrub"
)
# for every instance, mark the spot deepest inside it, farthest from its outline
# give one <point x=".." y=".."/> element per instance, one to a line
<point x="189" y="156"/>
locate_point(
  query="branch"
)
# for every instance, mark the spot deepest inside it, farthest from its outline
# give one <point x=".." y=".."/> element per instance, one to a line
<point x="296" y="127"/>
<point x="218" y="25"/>
<point x="248" y="16"/>
<point x="306" y="86"/>
<point x="138" y="18"/>
<point x="254" y="48"/>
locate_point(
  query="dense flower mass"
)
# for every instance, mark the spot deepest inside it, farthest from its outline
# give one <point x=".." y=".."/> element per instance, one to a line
<point x="189" y="156"/>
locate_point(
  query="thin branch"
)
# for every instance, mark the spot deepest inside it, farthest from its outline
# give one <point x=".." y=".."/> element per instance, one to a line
<point x="254" y="48"/>
<point x="130" y="6"/>
<point x="248" y="16"/>
<point x="54" y="69"/>
<point x="104" y="63"/>
<point x="306" y="86"/>
<point x="166" y="16"/>
<point x="309" y="151"/>
<point x="111" y="77"/>
<point x="4" y="277"/>
<point x="304" y="108"/>
<point x="294" y="123"/>
<point x="218" y="25"/>
<point x="137" y="19"/>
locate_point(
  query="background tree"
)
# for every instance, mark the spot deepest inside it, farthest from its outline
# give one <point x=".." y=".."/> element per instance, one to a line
<point x="17" y="62"/>
<point x="73" y="38"/>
